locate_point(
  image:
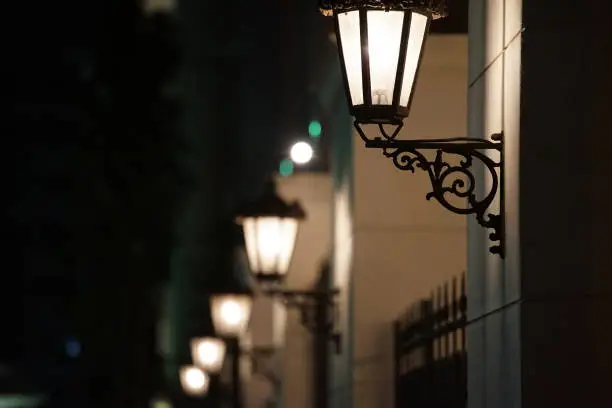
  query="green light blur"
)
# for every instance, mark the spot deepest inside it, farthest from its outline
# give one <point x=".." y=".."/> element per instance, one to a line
<point x="285" y="168"/>
<point x="314" y="129"/>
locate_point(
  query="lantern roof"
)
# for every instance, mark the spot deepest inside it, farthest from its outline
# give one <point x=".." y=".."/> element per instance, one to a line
<point x="435" y="8"/>
<point x="270" y="204"/>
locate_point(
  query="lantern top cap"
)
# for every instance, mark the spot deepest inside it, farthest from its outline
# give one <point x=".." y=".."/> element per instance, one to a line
<point x="270" y="204"/>
<point x="434" y="8"/>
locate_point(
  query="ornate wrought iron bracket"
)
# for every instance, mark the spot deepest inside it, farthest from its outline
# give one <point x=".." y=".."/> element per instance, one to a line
<point x="310" y="305"/>
<point x="453" y="179"/>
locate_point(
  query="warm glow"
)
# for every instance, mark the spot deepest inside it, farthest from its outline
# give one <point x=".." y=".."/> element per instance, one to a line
<point x="418" y="27"/>
<point x="269" y="242"/>
<point x="384" y="38"/>
<point x="348" y="24"/>
<point x="384" y="35"/>
<point x="301" y="153"/>
<point x="208" y="353"/>
<point x="231" y="314"/>
<point x="194" y="380"/>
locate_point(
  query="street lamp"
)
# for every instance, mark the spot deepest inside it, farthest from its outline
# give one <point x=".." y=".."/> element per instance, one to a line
<point x="194" y="380"/>
<point x="270" y="227"/>
<point x="231" y="313"/>
<point x="381" y="44"/>
<point x="208" y="353"/>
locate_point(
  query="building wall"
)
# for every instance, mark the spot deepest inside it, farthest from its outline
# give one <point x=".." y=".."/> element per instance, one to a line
<point x="404" y="245"/>
<point x="312" y="249"/>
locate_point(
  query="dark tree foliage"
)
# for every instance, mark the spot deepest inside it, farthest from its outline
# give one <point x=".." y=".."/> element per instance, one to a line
<point x="94" y="144"/>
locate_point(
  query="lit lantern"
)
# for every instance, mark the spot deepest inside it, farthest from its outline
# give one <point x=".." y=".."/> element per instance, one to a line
<point x="194" y="380"/>
<point x="231" y="313"/>
<point x="208" y="353"/>
<point x="270" y="227"/>
<point x="380" y="43"/>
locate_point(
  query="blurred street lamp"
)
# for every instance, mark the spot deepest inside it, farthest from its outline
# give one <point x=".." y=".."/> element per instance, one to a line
<point x="194" y="380"/>
<point x="208" y="353"/>
<point x="380" y="45"/>
<point x="301" y="152"/>
<point x="231" y="313"/>
<point x="270" y="227"/>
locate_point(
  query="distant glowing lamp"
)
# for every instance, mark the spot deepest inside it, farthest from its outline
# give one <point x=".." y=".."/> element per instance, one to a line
<point x="231" y="313"/>
<point x="194" y="380"/>
<point x="208" y="353"/>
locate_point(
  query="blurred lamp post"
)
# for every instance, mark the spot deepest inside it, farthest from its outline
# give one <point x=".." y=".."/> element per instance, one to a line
<point x="194" y="380"/>
<point x="270" y="227"/>
<point x="208" y="353"/>
<point x="231" y="313"/>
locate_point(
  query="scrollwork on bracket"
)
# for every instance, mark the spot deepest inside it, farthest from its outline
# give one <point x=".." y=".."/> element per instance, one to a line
<point x="455" y="180"/>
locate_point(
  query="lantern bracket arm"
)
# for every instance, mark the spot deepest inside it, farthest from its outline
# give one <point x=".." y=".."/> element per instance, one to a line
<point x="310" y="303"/>
<point x="452" y="173"/>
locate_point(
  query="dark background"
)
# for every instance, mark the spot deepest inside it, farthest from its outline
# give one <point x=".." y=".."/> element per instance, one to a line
<point x="108" y="134"/>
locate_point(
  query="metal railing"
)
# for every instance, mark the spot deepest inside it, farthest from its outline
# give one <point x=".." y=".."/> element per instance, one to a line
<point x="430" y="350"/>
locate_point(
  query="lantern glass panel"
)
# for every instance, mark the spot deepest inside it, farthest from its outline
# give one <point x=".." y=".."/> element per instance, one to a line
<point x="350" y="42"/>
<point x="414" y="47"/>
<point x="208" y="353"/>
<point x="270" y="242"/>
<point x="231" y="314"/>
<point x="384" y="37"/>
<point x="194" y="380"/>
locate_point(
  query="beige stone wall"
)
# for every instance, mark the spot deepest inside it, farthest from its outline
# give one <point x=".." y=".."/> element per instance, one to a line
<point x="404" y="245"/>
<point x="311" y="249"/>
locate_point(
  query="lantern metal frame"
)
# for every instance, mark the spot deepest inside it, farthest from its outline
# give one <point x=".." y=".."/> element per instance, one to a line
<point x="454" y="178"/>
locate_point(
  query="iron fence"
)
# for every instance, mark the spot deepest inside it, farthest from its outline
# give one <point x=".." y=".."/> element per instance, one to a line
<point x="430" y="350"/>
